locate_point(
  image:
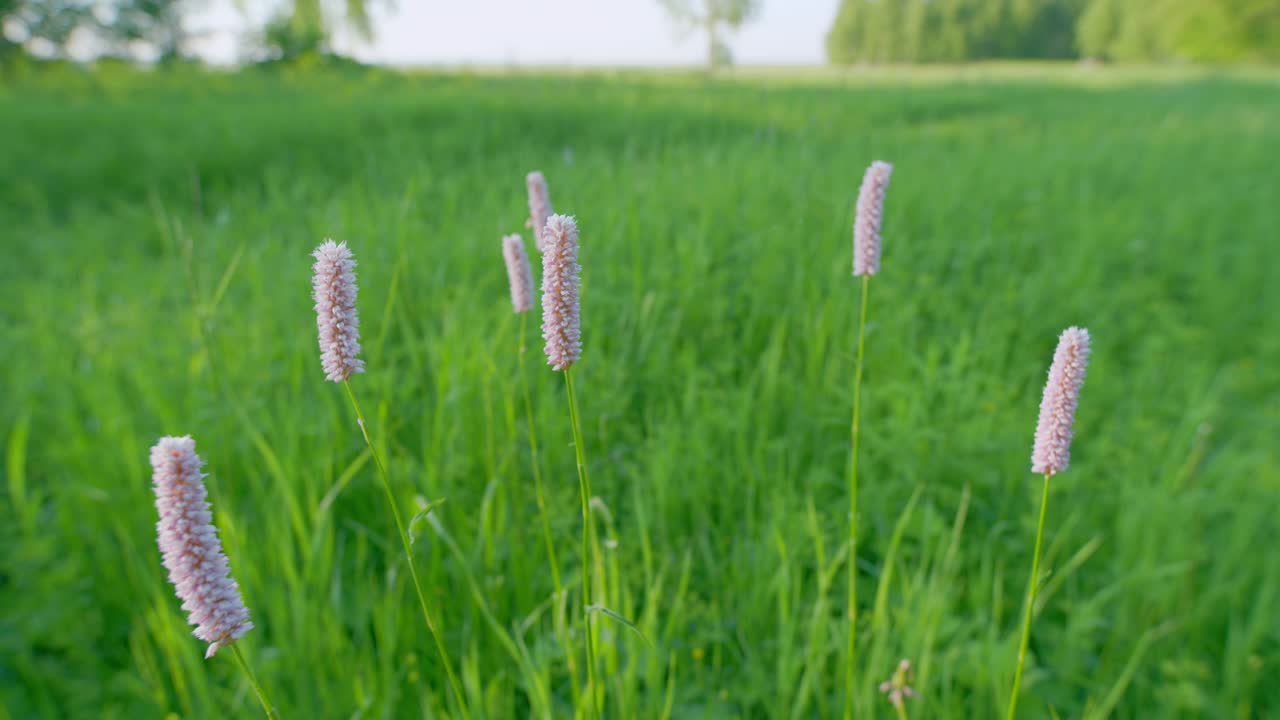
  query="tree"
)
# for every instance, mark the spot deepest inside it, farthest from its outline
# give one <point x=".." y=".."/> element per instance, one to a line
<point x="157" y="23"/>
<point x="1195" y="30"/>
<point x="308" y="26"/>
<point x="712" y="17"/>
<point x="960" y="30"/>
<point x="45" y="26"/>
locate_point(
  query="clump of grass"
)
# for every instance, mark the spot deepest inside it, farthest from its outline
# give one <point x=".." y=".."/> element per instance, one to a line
<point x="866" y="262"/>
<point x="193" y="554"/>
<point x="334" y="291"/>
<point x="1049" y="456"/>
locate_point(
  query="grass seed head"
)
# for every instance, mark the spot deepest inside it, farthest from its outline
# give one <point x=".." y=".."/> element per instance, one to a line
<point x="896" y="688"/>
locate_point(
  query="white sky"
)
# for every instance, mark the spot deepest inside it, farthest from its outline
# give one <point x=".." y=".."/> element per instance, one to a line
<point x="546" y="32"/>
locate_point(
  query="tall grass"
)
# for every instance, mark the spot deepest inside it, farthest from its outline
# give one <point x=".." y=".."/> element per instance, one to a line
<point x="718" y="375"/>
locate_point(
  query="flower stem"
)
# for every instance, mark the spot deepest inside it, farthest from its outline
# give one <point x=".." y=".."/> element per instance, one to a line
<point x="408" y="552"/>
<point x="901" y="708"/>
<point x="542" y="502"/>
<point x="852" y="610"/>
<point x="1033" y="586"/>
<point x="267" y="707"/>
<point x="584" y="486"/>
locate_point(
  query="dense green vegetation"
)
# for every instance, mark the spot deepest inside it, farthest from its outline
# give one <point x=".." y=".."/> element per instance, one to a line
<point x="157" y="228"/>
<point x="958" y="30"/>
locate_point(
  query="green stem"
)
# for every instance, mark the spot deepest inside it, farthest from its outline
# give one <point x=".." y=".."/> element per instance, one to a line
<point x="901" y="708"/>
<point x="408" y="552"/>
<point x="1033" y="586"/>
<point x="851" y="611"/>
<point x="267" y="707"/>
<point x="542" y="503"/>
<point x="584" y="487"/>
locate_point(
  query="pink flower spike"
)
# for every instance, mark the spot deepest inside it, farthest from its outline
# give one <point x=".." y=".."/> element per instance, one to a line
<point x="866" y="227"/>
<point x="560" y="311"/>
<point x="190" y="546"/>
<point x="519" y="273"/>
<point x="539" y="207"/>
<point x="1052" y="451"/>
<point x="334" y="290"/>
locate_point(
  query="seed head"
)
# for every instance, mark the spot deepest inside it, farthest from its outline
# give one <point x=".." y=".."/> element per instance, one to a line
<point x="334" y="287"/>
<point x="519" y="273"/>
<point x="560" y="311"/>
<point x="1052" y="451"/>
<point x="539" y="206"/>
<point x="896" y="688"/>
<point x="866" y="228"/>
<point x="190" y="546"/>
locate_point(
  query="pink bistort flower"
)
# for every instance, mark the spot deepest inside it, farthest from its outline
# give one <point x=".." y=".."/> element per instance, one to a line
<point x="866" y="227"/>
<point x="539" y="207"/>
<point x="334" y="290"/>
<point x="560" y="311"/>
<point x="1052" y="451"/>
<point x="519" y="273"/>
<point x="190" y="546"/>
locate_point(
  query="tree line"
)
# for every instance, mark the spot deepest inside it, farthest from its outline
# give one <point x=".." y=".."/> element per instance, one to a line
<point x="872" y="31"/>
<point x="863" y="31"/>
<point x="159" y="29"/>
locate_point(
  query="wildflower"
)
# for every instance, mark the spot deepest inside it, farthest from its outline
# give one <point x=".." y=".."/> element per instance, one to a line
<point x="866" y="227"/>
<point x="560" y="311"/>
<point x="190" y="546"/>
<point x="539" y="207"/>
<point x="519" y="273"/>
<point x="896" y="688"/>
<point x="1052" y="451"/>
<point x="335" y="295"/>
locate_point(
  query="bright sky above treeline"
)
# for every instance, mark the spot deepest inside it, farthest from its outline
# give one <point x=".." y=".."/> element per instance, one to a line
<point x="545" y="32"/>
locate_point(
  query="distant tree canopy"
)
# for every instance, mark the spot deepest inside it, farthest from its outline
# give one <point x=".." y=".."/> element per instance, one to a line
<point x="712" y="18"/>
<point x="302" y="26"/>
<point x="156" y="28"/>
<point x="959" y="30"/>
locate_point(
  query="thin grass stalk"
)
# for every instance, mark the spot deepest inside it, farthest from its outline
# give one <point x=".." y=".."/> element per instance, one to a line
<point x="852" y="610"/>
<point x="901" y="709"/>
<point x="542" y="506"/>
<point x="504" y="637"/>
<point x="588" y="562"/>
<point x="1033" y="587"/>
<point x="267" y="707"/>
<point x="408" y="552"/>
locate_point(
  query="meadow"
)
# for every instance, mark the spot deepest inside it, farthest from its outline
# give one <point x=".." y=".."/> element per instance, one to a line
<point x="156" y="231"/>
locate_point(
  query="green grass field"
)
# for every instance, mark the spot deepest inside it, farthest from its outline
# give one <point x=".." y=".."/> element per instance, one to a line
<point x="156" y="232"/>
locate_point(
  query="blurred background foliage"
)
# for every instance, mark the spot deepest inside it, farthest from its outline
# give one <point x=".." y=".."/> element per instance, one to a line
<point x="960" y="30"/>
<point x="158" y="29"/>
<point x="862" y="31"/>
